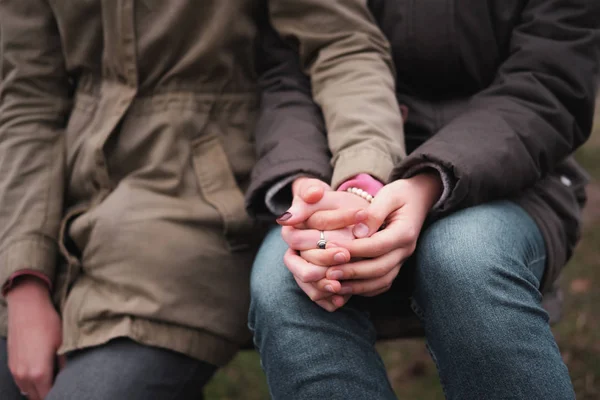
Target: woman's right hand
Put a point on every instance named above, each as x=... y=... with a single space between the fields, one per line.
x=317 y=205
x=34 y=336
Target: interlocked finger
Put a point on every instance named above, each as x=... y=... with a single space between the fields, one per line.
x=332 y=255
x=369 y=286
x=307 y=239
x=312 y=292
x=301 y=269
x=334 y=302
x=369 y=268
x=332 y=219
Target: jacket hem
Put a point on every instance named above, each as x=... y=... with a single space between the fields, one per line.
x=195 y=343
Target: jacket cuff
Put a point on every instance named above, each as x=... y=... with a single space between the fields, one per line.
x=363 y=181
x=365 y=161
x=444 y=176
x=35 y=254
x=279 y=197
x=14 y=278
x=270 y=174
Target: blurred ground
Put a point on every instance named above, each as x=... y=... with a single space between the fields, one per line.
x=411 y=370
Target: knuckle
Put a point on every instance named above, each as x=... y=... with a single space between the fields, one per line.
x=323 y=305
x=376 y=218
x=285 y=233
x=301 y=284
x=389 y=280
x=381 y=270
x=303 y=276
x=288 y=260
x=292 y=241
x=411 y=249
x=37 y=374
x=306 y=275
x=18 y=372
x=350 y=274
x=411 y=233
x=399 y=256
x=314 y=296
x=318 y=220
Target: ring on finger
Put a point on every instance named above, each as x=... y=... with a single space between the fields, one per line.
x=322 y=243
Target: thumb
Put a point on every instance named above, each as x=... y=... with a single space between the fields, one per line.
x=307 y=193
x=312 y=194
x=311 y=190
x=371 y=219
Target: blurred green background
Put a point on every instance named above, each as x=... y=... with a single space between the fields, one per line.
x=412 y=372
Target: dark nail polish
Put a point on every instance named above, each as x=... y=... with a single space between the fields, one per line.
x=284 y=217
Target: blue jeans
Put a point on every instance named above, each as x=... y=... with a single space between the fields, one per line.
x=121 y=370
x=473 y=281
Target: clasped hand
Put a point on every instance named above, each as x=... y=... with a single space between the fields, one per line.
x=360 y=258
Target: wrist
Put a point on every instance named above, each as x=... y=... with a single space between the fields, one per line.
x=431 y=183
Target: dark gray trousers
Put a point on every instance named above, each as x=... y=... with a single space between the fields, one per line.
x=120 y=370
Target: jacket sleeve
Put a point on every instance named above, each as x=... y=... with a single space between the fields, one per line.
x=34 y=105
x=537 y=111
x=290 y=132
x=349 y=63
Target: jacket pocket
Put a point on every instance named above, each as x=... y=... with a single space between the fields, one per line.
x=71 y=267
x=219 y=188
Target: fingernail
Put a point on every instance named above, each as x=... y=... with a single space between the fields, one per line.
x=361 y=230
x=329 y=288
x=335 y=275
x=284 y=217
x=340 y=258
x=345 y=290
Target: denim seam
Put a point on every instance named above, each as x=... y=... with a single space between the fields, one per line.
x=530 y=266
x=537 y=260
x=421 y=315
x=437 y=366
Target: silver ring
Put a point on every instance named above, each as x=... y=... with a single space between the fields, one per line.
x=322 y=243
x=24 y=394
